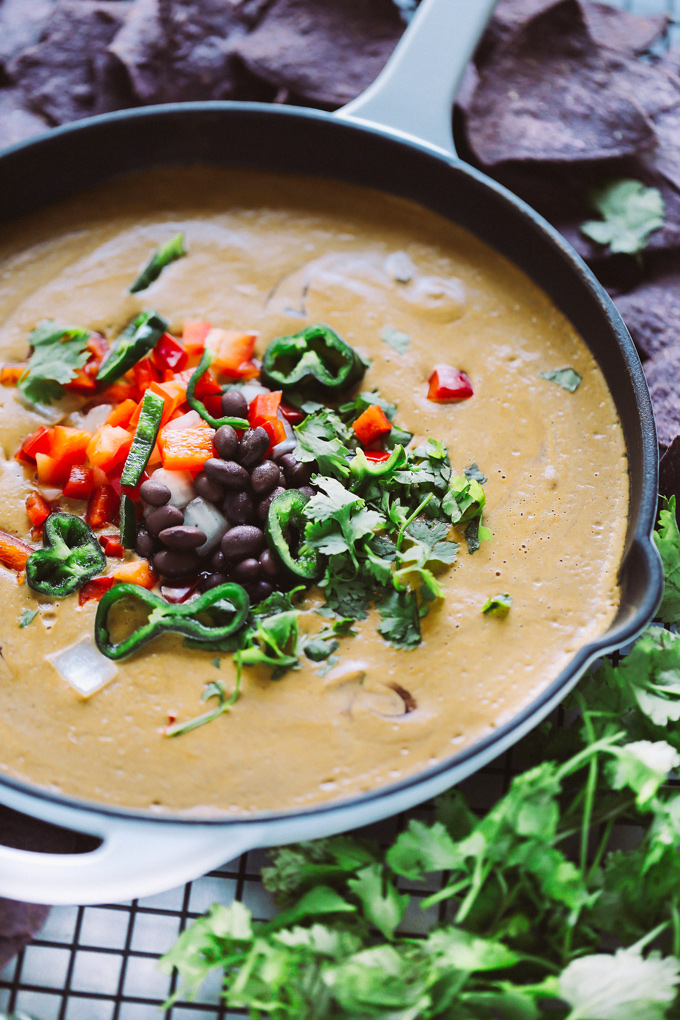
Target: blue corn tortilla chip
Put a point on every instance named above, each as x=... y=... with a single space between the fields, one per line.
x=652 y=311
x=547 y=94
x=662 y=374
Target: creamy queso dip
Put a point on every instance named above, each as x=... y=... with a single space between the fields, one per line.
x=274 y=254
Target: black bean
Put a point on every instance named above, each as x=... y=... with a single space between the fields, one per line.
x=164 y=517
x=182 y=537
x=238 y=508
x=307 y=491
x=225 y=441
x=263 y=506
x=269 y=565
x=253 y=446
x=207 y=489
x=145 y=546
x=282 y=478
x=259 y=590
x=247 y=570
x=218 y=562
x=213 y=580
x=264 y=477
x=287 y=462
x=234 y=404
x=298 y=475
x=227 y=473
x=176 y=563
x=154 y=493
x=242 y=541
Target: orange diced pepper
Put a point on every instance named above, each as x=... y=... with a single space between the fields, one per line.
x=194 y=333
x=135 y=572
x=94 y=589
x=69 y=446
x=173 y=394
x=118 y=392
x=13 y=552
x=11 y=374
x=121 y=414
x=232 y=352
x=37 y=508
x=51 y=471
x=372 y=425
x=186 y=449
x=108 y=446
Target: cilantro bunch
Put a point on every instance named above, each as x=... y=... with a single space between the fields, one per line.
x=540 y=915
x=385 y=537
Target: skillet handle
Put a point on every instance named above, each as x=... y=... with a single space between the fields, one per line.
x=132 y=861
x=413 y=94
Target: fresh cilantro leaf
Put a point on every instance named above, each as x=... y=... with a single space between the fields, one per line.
x=423 y=848
x=347 y=593
x=58 y=355
x=316 y=902
x=382 y=903
x=624 y=986
x=464 y=500
x=427 y=546
x=649 y=677
x=474 y=474
x=338 y=519
x=642 y=765
x=350 y=411
x=27 y=616
x=319 y=648
x=667 y=539
x=396 y=339
x=199 y=948
x=630 y=214
x=497 y=605
x=297 y=867
x=455 y=947
x=567 y=378
x=323 y=437
x=400 y=621
x=216 y=663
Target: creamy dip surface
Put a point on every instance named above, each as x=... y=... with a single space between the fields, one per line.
x=275 y=253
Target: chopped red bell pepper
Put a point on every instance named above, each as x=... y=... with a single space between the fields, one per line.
x=264 y=407
x=194 y=333
x=37 y=508
x=276 y=431
x=13 y=552
x=51 y=472
x=372 y=425
x=94 y=589
x=120 y=391
x=292 y=414
x=144 y=373
x=170 y=353
x=447 y=383
x=39 y=441
x=232 y=353
x=80 y=483
x=112 y=546
x=103 y=506
x=69 y=446
x=377 y=455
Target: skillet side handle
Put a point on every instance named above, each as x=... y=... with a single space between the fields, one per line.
x=414 y=93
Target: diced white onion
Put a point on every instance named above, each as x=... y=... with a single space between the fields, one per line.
x=201 y=514
x=48 y=493
x=84 y=666
x=284 y=447
x=58 y=410
x=251 y=389
x=187 y=421
x=94 y=418
x=180 y=483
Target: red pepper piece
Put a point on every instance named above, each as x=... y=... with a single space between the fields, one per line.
x=276 y=431
x=377 y=455
x=194 y=333
x=39 y=441
x=291 y=414
x=447 y=383
x=112 y=546
x=178 y=594
x=170 y=353
x=264 y=407
x=94 y=589
x=103 y=506
x=13 y=552
x=80 y=483
x=85 y=380
x=144 y=373
x=372 y=425
x=11 y=374
x=37 y=508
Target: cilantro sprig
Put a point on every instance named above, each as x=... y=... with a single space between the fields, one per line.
x=58 y=354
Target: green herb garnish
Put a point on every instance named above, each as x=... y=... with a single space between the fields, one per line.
x=498 y=605
x=27 y=616
x=567 y=378
x=58 y=355
x=169 y=252
x=396 y=339
x=630 y=213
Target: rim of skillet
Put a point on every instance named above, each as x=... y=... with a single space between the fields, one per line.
x=351 y=164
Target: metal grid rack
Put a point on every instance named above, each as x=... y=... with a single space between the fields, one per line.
x=100 y=962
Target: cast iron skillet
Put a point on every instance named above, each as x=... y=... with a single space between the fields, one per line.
x=396 y=137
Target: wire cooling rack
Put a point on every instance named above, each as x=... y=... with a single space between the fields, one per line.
x=100 y=962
